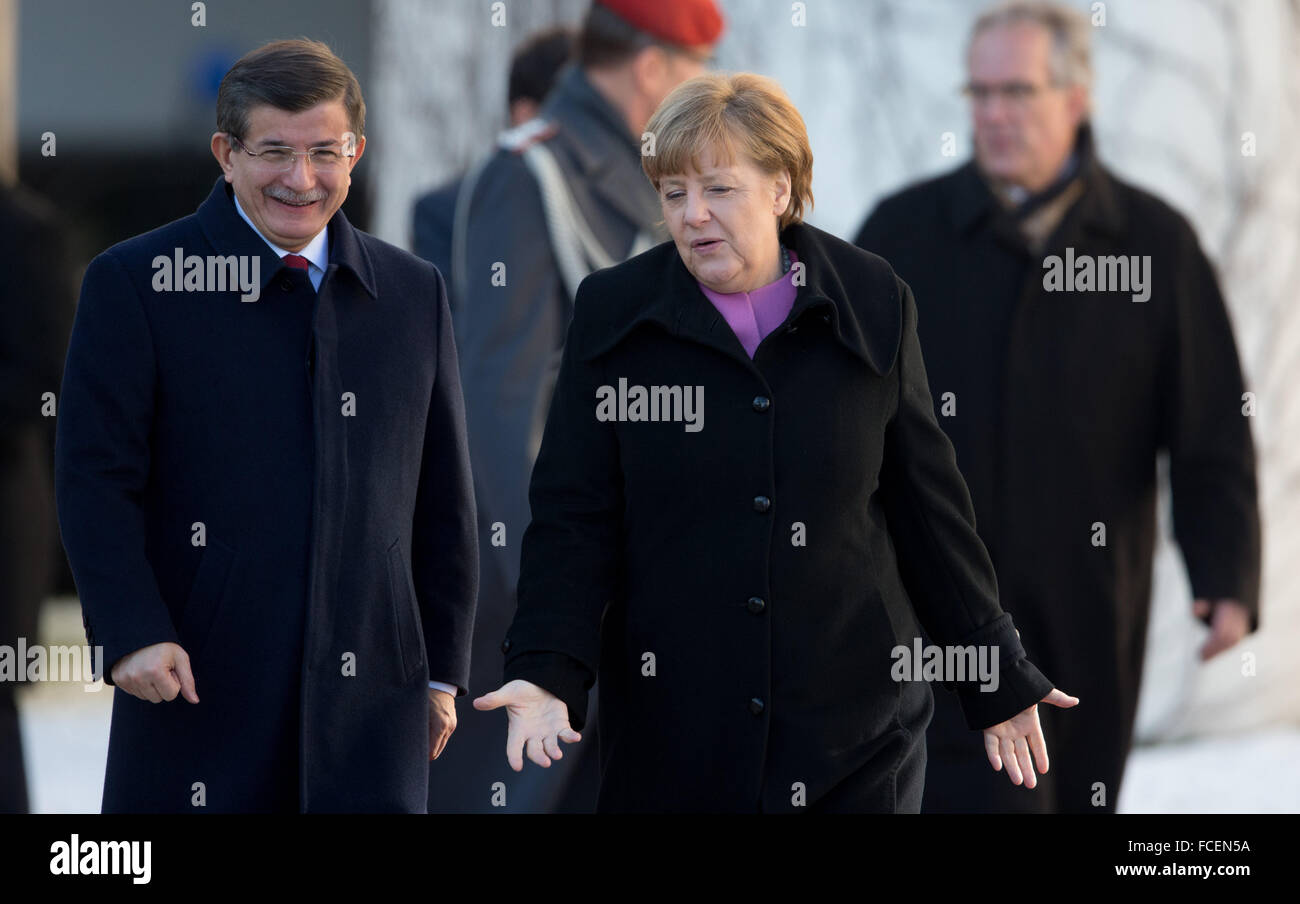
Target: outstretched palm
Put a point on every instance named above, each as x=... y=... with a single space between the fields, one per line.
x=1012 y=741
x=538 y=721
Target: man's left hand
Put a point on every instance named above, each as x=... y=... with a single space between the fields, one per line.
x=442 y=721
x=1230 y=623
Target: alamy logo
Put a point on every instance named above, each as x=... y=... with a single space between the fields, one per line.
x=213 y=273
x=102 y=858
x=682 y=404
x=1108 y=273
x=37 y=662
x=951 y=663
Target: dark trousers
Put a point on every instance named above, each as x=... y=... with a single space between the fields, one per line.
x=27 y=542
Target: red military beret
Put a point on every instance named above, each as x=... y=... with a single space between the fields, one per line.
x=689 y=23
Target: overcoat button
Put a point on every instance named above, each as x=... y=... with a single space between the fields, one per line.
x=287 y=285
x=505 y=645
x=756 y=604
x=762 y=503
x=756 y=706
x=762 y=403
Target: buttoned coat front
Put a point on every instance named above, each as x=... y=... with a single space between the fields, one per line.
x=282 y=487
x=739 y=589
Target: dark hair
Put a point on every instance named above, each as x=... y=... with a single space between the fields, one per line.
x=536 y=63
x=288 y=75
x=606 y=39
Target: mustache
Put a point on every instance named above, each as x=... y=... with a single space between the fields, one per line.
x=281 y=193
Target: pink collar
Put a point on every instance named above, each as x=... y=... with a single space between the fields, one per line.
x=752 y=315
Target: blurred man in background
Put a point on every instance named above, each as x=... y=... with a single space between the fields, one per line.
x=533 y=68
x=35 y=316
x=1072 y=330
x=562 y=196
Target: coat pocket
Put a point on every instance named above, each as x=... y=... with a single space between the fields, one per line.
x=206 y=596
x=410 y=639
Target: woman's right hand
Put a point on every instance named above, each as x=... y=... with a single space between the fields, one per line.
x=538 y=721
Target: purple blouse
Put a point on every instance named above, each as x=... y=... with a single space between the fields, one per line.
x=752 y=315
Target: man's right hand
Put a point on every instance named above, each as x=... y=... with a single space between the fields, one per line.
x=538 y=721
x=156 y=673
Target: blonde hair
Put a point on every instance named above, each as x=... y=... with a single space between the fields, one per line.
x=741 y=113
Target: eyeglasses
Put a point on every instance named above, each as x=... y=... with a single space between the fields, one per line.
x=279 y=159
x=1016 y=94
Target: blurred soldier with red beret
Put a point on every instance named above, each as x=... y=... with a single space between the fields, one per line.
x=562 y=195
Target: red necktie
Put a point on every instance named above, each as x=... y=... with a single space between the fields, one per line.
x=297 y=261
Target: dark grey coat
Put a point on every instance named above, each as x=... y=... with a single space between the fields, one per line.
x=329 y=536
x=772 y=660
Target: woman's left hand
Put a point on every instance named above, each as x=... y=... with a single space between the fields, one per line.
x=1011 y=741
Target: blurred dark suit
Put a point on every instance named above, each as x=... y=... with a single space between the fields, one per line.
x=35 y=317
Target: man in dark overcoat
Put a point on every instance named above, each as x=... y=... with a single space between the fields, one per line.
x=263 y=478
x=1073 y=332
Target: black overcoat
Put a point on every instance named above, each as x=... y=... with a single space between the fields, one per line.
x=335 y=535
x=1061 y=402
x=753 y=576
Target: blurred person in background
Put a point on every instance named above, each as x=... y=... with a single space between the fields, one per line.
x=562 y=196
x=440 y=221
x=35 y=315
x=533 y=68
x=1059 y=392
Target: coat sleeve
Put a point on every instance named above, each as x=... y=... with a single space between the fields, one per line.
x=508 y=335
x=1207 y=433
x=102 y=464
x=444 y=535
x=571 y=550
x=945 y=568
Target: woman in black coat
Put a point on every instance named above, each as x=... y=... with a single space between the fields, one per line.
x=743 y=504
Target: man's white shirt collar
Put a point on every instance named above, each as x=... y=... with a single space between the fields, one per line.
x=316 y=252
